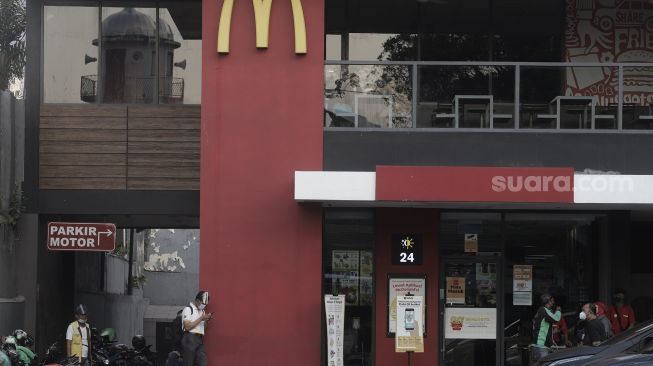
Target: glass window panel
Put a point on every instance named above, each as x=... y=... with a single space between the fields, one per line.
x=562 y=252
x=348 y=267
x=454 y=47
x=180 y=54
x=527 y=48
x=454 y=227
x=368 y=96
x=380 y=46
x=128 y=55
x=333 y=47
x=69 y=54
x=475 y=96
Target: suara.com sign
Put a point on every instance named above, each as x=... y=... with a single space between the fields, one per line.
x=262 y=9
x=81 y=236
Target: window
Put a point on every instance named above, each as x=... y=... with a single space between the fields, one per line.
x=348 y=267
x=121 y=54
x=69 y=56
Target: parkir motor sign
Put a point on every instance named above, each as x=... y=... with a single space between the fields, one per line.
x=81 y=236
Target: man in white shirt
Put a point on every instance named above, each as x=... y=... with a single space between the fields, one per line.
x=78 y=336
x=194 y=320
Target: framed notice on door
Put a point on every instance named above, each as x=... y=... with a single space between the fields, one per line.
x=404 y=285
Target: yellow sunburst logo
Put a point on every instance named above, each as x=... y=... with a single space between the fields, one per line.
x=407 y=243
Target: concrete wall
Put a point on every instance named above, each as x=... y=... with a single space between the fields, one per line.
x=122 y=312
x=172 y=262
x=13 y=249
x=116 y=275
x=26 y=278
x=363 y=150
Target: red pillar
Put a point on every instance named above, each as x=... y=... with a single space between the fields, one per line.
x=261 y=252
x=400 y=221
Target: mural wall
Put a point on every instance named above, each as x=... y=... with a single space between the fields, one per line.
x=610 y=31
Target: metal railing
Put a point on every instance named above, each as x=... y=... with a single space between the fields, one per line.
x=489 y=95
x=133 y=90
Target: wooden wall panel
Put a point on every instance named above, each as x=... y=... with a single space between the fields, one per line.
x=83 y=183
x=118 y=147
x=163 y=147
x=73 y=159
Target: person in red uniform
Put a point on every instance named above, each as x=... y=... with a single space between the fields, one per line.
x=560 y=334
x=621 y=314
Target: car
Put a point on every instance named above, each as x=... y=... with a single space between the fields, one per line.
x=633 y=340
x=644 y=357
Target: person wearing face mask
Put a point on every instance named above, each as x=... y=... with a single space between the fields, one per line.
x=78 y=336
x=194 y=319
x=594 y=332
x=621 y=315
x=543 y=323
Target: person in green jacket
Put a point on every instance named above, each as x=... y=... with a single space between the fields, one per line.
x=542 y=325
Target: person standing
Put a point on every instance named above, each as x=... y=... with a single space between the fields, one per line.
x=194 y=318
x=621 y=315
x=78 y=336
x=594 y=329
x=542 y=326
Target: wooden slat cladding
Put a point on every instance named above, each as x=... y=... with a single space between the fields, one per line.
x=164 y=111
x=179 y=148
x=83 y=183
x=163 y=146
x=96 y=123
x=84 y=110
x=118 y=147
x=72 y=159
x=172 y=184
x=82 y=171
x=81 y=147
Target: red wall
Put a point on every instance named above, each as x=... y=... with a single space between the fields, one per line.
x=261 y=251
x=398 y=221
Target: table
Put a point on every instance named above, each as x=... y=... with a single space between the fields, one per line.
x=585 y=105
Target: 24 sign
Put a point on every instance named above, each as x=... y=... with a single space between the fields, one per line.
x=406 y=249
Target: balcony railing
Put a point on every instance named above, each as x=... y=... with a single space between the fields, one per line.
x=133 y=90
x=488 y=95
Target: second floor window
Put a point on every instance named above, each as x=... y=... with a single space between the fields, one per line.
x=122 y=54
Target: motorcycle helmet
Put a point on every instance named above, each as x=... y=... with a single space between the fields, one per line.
x=81 y=310
x=22 y=338
x=109 y=335
x=10 y=341
x=138 y=342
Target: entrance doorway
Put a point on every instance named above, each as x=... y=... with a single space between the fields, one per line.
x=495 y=266
x=469 y=315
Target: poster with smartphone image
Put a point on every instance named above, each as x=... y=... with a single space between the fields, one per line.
x=410 y=323
x=334 y=308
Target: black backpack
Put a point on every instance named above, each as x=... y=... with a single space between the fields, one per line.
x=178 y=329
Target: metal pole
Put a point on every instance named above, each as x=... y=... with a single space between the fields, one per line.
x=414 y=96
x=620 y=105
x=517 y=96
x=130 y=286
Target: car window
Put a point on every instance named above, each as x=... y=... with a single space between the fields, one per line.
x=631 y=334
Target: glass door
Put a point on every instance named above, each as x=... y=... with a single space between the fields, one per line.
x=469 y=316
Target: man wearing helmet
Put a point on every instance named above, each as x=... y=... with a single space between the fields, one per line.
x=194 y=319
x=78 y=336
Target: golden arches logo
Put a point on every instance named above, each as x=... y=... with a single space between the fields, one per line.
x=262 y=20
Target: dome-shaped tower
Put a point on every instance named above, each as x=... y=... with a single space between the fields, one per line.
x=129 y=57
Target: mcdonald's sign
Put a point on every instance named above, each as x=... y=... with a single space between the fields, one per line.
x=262 y=20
